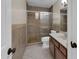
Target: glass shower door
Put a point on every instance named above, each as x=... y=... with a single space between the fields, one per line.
x=45 y=23
x=33 y=26
x=38 y=25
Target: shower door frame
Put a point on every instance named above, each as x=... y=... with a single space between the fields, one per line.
x=27 y=26
x=27 y=29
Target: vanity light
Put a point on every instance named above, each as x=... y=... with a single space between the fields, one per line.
x=64 y=2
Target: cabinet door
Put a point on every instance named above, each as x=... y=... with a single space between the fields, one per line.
x=58 y=54
x=64 y=50
x=51 y=47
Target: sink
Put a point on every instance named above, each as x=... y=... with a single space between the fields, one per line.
x=59 y=35
x=63 y=37
x=53 y=31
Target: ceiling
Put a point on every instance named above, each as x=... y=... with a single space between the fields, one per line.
x=41 y=3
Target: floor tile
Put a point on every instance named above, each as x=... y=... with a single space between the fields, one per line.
x=37 y=52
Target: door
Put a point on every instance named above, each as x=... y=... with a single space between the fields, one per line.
x=72 y=28
x=5 y=29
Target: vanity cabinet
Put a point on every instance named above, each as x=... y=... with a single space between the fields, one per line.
x=57 y=49
x=59 y=54
x=51 y=47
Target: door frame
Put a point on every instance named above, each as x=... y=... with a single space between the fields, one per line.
x=72 y=28
x=6 y=38
x=8 y=2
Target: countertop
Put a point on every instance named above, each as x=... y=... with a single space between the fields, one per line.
x=62 y=40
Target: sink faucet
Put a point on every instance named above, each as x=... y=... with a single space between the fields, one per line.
x=57 y=31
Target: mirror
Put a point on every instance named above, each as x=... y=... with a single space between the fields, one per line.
x=63 y=15
x=60 y=16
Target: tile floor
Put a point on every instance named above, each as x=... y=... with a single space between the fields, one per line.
x=37 y=52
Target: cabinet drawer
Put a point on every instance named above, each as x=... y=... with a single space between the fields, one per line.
x=63 y=50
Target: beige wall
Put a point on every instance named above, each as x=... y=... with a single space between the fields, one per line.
x=56 y=16
x=56 y=12
x=19 y=40
x=18 y=11
x=19 y=27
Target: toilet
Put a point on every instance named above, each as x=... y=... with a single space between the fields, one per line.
x=45 y=41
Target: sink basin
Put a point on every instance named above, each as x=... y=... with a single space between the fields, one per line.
x=59 y=35
x=53 y=31
x=63 y=37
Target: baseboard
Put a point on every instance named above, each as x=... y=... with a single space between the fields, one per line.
x=29 y=44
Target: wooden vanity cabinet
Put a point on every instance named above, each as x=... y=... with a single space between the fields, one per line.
x=59 y=54
x=51 y=47
x=58 y=51
x=63 y=50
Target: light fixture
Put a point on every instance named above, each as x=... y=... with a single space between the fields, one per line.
x=64 y=2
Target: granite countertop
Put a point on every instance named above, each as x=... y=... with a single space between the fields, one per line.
x=60 y=38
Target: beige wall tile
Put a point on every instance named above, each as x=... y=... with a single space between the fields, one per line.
x=18 y=40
